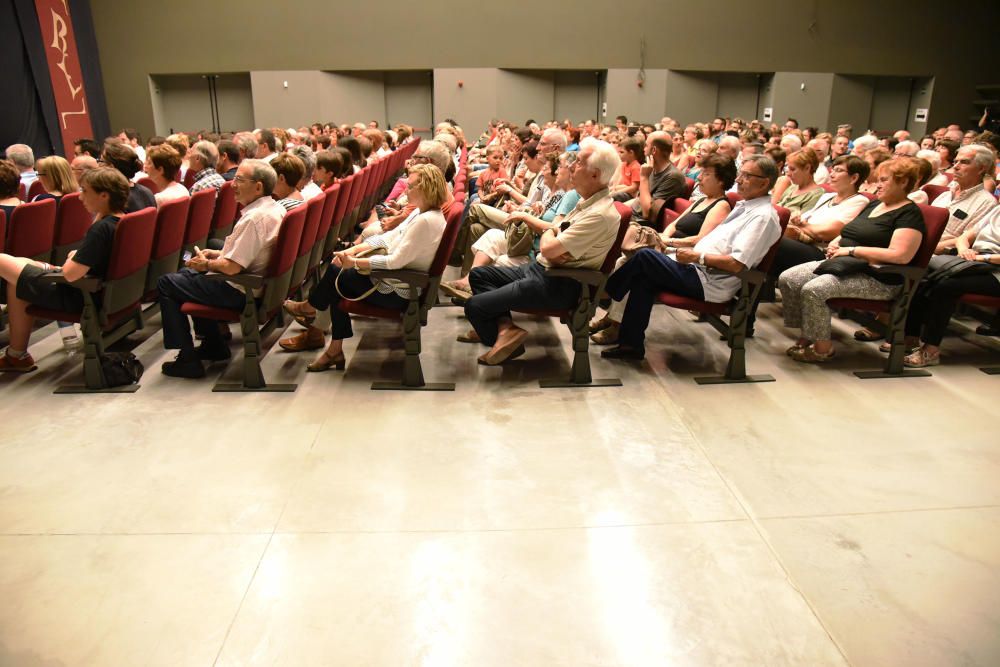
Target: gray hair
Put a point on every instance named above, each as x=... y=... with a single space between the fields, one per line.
x=437 y=152
x=207 y=152
x=791 y=138
x=307 y=156
x=931 y=156
x=729 y=139
x=21 y=155
x=568 y=158
x=865 y=143
x=907 y=147
x=555 y=135
x=983 y=158
x=448 y=140
x=604 y=158
x=247 y=143
x=263 y=173
x=768 y=167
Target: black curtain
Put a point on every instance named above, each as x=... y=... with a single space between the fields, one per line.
x=28 y=113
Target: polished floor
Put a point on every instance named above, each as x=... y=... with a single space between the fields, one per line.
x=817 y=520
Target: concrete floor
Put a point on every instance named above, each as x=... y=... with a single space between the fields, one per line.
x=817 y=520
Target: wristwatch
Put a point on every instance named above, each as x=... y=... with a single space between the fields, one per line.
x=701 y=259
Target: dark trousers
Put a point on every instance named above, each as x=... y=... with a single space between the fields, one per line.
x=792 y=253
x=324 y=295
x=497 y=290
x=641 y=278
x=187 y=285
x=933 y=306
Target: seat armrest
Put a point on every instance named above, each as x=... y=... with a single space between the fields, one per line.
x=752 y=276
x=911 y=272
x=251 y=280
x=411 y=278
x=85 y=284
x=584 y=276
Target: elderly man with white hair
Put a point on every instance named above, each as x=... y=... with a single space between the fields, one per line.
x=906 y=148
x=790 y=143
x=966 y=199
x=582 y=241
x=24 y=159
x=202 y=158
x=864 y=144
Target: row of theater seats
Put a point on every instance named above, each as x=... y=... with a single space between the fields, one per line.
x=152 y=242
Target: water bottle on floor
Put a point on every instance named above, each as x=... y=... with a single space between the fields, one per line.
x=70 y=337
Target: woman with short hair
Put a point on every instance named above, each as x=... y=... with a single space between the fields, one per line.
x=887 y=231
x=163 y=164
x=104 y=194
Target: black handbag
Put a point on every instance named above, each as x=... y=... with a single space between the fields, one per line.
x=121 y=368
x=943 y=267
x=845 y=265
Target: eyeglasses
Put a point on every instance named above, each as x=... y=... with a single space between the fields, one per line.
x=42 y=173
x=243 y=179
x=743 y=175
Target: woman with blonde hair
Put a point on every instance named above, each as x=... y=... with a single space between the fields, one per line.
x=56 y=176
x=411 y=245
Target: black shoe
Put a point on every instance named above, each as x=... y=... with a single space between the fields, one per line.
x=210 y=353
x=186 y=365
x=624 y=352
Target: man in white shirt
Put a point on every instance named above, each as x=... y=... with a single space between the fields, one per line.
x=131 y=137
x=267 y=145
x=966 y=199
x=246 y=250
x=707 y=271
x=24 y=159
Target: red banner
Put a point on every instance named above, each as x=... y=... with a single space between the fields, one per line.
x=64 y=71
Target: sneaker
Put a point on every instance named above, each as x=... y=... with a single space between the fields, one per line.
x=185 y=365
x=9 y=364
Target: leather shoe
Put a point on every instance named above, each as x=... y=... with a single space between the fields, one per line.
x=325 y=363
x=484 y=361
x=507 y=343
x=310 y=339
x=300 y=310
x=213 y=353
x=186 y=365
x=624 y=352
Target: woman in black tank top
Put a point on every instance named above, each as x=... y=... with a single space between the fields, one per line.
x=717 y=175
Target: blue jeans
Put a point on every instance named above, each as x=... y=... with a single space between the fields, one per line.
x=642 y=278
x=497 y=290
x=188 y=285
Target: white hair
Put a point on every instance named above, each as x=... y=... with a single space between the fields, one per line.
x=791 y=139
x=21 y=155
x=865 y=143
x=603 y=158
x=908 y=147
x=207 y=152
x=555 y=136
x=448 y=140
x=931 y=156
x=983 y=158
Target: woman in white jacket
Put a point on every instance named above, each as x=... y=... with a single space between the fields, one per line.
x=411 y=245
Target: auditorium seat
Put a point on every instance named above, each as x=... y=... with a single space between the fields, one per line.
x=259 y=316
x=310 y=229
x=31 y=230
x=933 y=191
x=72 y=222
x=36 y=189
x=578 y=318
x=224 y=213
x=199 y=219
x=423 y=295
x=147 y=182
x=738 y=309
x=111 y=307
x=935 y=219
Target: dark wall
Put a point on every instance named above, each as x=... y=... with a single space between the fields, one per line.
x=889 y=37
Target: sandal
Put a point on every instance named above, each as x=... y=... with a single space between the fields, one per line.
x=797 y=346
x=866 y=335
x=886 y=347
x=920 y=359
x=300 y=310
x=809 y=355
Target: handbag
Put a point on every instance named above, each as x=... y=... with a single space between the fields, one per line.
x=943 y=267
x=121 y=368
x=845 y=265
x=520 y=239
x=367 y=293
x=639 y=237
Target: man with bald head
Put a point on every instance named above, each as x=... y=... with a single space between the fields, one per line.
x=82 y=164
x=659 y=180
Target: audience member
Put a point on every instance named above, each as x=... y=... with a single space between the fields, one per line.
x=290 y=171
x=56 y=177
x=163 y=164
x=23 y=158
x=966 y=199
x=120 y=156
x=202 y=158
x=247 y=249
